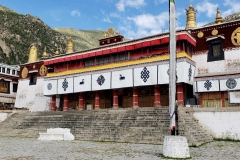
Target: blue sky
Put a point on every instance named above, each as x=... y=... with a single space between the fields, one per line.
x=133 y=18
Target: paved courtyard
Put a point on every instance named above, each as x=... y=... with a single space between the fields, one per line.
x=28 y=149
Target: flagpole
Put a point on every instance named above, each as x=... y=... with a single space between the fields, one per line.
x=172 y=65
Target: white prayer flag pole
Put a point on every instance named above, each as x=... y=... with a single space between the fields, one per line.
x=172 y=65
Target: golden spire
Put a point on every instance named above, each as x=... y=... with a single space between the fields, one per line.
x=33 y=57
x=44 y=55
x=218 y=19
x=191 y=18
x=57 y=52
x=70 y=46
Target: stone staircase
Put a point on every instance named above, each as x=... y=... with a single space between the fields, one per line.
x=141 y=125
x=190 y=128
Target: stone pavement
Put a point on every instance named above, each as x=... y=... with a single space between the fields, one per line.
x=13 y=148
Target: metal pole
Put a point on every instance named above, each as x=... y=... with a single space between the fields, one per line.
x=172 y=65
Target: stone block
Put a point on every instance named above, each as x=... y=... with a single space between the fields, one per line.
x=56 y=134
x=176 y=147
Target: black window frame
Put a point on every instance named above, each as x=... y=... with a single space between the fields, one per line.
x=15 y=86
x=211 y=56
x=33 y=79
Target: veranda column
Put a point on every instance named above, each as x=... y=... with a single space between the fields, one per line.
x=97 y=100
x=157 y=102
x=65 y=103
x=135 y=98
x=180 y=96
x=81 y=102
x=115 y=98
x=53 y=103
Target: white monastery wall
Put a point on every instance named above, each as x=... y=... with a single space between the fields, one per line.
x=231 y=62
x=31 y=96
x=221 y=124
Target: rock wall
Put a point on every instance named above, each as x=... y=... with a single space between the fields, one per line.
x=222 y=124
x=31 y=96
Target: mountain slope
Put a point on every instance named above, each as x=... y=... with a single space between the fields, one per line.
x=19 y=31
x=83 y=39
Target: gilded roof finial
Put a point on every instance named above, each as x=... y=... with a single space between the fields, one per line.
x=70 y=46
x=33 y=57
x=44 y=55
x=57 y=52
x=191 y=18
x=218 y=19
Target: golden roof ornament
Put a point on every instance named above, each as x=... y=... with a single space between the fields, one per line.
x=218 y=19
x=57 y=52
x=33 y=57
x=191 y=18
x=70 y=46
x=44 y=55
x=117 y=33
x=110 y=32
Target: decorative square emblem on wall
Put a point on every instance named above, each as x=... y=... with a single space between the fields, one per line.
x=231 y=83
x=208 y=85
x=145 y=74
x=100 y=80
x=49 y=86
x=65 y=84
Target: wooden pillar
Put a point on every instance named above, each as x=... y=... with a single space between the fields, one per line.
x=223 y=99
x=180 y=95
x=97 y=100
x=115 y=98
x=157 y=102
x=53 y=103
x=135 y=98
x=65 y=103
x=81 y=102
x=200 y=99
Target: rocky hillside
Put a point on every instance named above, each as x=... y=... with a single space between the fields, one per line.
x=83 y=39
x=19 y=31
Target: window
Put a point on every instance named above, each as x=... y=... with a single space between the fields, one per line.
x=17 y=73
x=0 y=69
x=15 y=87
x=120 y=57
x=216 y=52
x=89 y=62
x=103 y=60
x=13 y=72
x=8 y=71
x=33 y=79
x=3 y=70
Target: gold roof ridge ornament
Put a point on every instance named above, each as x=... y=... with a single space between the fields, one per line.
x=218 y=19
x=110 y=33
x=191 y=18
x=57 y=52
x=33 y=53
x=44 y=55
x=70 y=46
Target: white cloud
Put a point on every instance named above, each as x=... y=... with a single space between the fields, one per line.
x=129 y=3
x=160 y=1
x=75 y=13
x=207 y=7
x=145 y=24
x=115 y=15
x=234 y=7
x=107 y=19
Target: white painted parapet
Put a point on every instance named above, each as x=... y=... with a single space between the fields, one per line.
x=56 y=134
x=175 y=147
x=222 y=124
